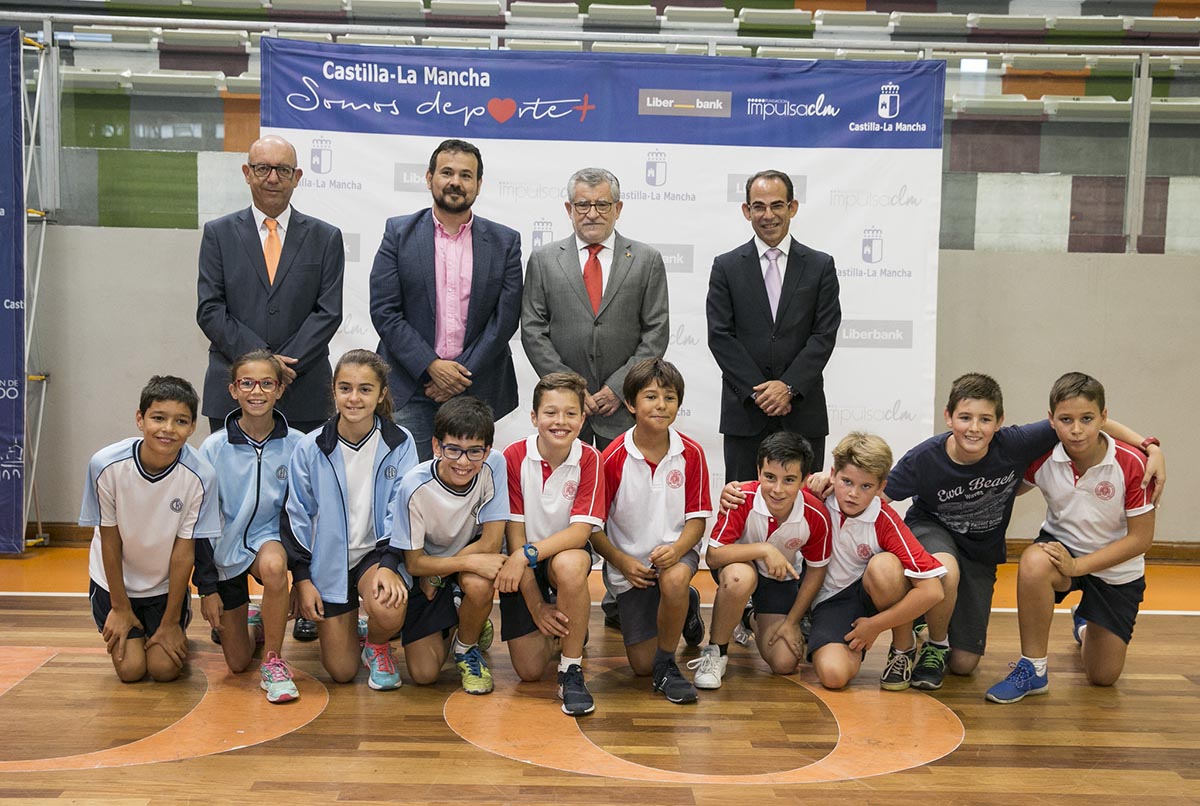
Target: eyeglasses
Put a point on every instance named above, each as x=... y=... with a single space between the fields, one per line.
x=758 y=208
x=262 y=170
x=602 y=206
x=455 y=452
x=248 y=384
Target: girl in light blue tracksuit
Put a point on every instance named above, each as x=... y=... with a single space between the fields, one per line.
x=336 y=528
x=251 y=457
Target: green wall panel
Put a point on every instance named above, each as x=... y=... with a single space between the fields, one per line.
x=147 y=189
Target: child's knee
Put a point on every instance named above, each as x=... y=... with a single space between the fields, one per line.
x=739 y=579
x=1035 y=563
x=675 y=580
x=832 y=678
x=573 y=564
x=475 y=587
x=273 y=569
x=130 y=671
x=162 y=669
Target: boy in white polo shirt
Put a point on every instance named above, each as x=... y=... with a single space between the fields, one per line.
x=656 y=486
x=448 y=519
x=556 y=499
x=880 y=578
x=1099 y=524
x=149 y=500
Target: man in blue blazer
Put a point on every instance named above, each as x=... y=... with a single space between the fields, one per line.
x=773 y=317
x=293 y=310
x=446 y=298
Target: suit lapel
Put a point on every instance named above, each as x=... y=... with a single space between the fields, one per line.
x=754 y=279
x=426 y=259
x=479 y=308
x=622 y=262
x=568 y=264
x=293 y=241
x=252 y=243
x=791 y=280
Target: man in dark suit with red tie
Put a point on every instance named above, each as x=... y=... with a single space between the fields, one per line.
x=271 y=277
x=773 y=317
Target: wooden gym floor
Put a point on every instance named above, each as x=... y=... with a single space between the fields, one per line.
x=75 y=734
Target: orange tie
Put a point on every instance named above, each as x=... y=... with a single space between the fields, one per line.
x=591 y=276
x=272 y=249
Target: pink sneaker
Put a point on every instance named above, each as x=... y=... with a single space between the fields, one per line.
x=277 y=680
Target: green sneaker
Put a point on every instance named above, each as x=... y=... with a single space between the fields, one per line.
x=476 y=676
x=254 y=621
x=930 y=668
x=486 y=635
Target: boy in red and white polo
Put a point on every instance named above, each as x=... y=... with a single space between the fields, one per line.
x=1099 y=524
x=657 y=490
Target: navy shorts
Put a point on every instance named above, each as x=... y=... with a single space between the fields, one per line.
x=771 y=597
x=1113 y=607
x=515 y=618
x=425 y=617
x=333 y=609
x=148 y=610
x=638 y=607
x=835 y=616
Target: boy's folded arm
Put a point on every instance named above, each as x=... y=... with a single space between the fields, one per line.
x=111 y=546
x=1137 y=540
x=183 y=560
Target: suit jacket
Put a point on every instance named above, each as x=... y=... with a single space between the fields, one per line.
x=404 y=299
x=239 y=310
x=560 y=331
x=751 y=349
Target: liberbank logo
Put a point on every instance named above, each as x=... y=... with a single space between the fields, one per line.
x=685 y=103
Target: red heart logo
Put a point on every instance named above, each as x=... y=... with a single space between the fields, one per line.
x=502 y=109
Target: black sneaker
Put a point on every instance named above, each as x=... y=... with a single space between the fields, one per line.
x=576 y=699
x=693 y=628
x=930 y=668
x=671 y=682
x=215 y=636
x=304 y=630
x=897 y=674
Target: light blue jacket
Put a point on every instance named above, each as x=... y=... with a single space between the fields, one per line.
x=252 y=483
x=316 y=518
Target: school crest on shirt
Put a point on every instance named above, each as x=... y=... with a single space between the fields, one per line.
x=675 y=479
x=281 y=472
x=863 y=551
x=389 y=472
x=570 y=489
x=1105 y=490
x=177 y=505
x=793 y=544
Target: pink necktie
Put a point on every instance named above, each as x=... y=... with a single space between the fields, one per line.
x=773 y=280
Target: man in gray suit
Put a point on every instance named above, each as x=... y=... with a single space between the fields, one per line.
x=292 y=308
x=595 y=303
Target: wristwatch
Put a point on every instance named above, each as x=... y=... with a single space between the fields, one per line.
x=436 y=581
x=531 y=554
x=1148 y=441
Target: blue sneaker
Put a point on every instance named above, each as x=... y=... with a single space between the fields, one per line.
x=382 y=667
x=1079 y=624
x=1021 y=680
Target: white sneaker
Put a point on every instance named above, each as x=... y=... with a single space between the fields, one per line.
x=710 y=667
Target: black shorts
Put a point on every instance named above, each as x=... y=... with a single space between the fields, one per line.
x=425 y=617
x=771 y=597
x=835 y=616
x=515 y=618
x=1113 y=607
x=235 y=592
x=333 y=609
x=148 y=610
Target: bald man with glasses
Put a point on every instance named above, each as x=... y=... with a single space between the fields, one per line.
x=271 y=278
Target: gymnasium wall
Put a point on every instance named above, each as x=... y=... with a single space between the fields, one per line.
x=118 y=305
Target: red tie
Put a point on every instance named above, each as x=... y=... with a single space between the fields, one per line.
x=591 y=276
